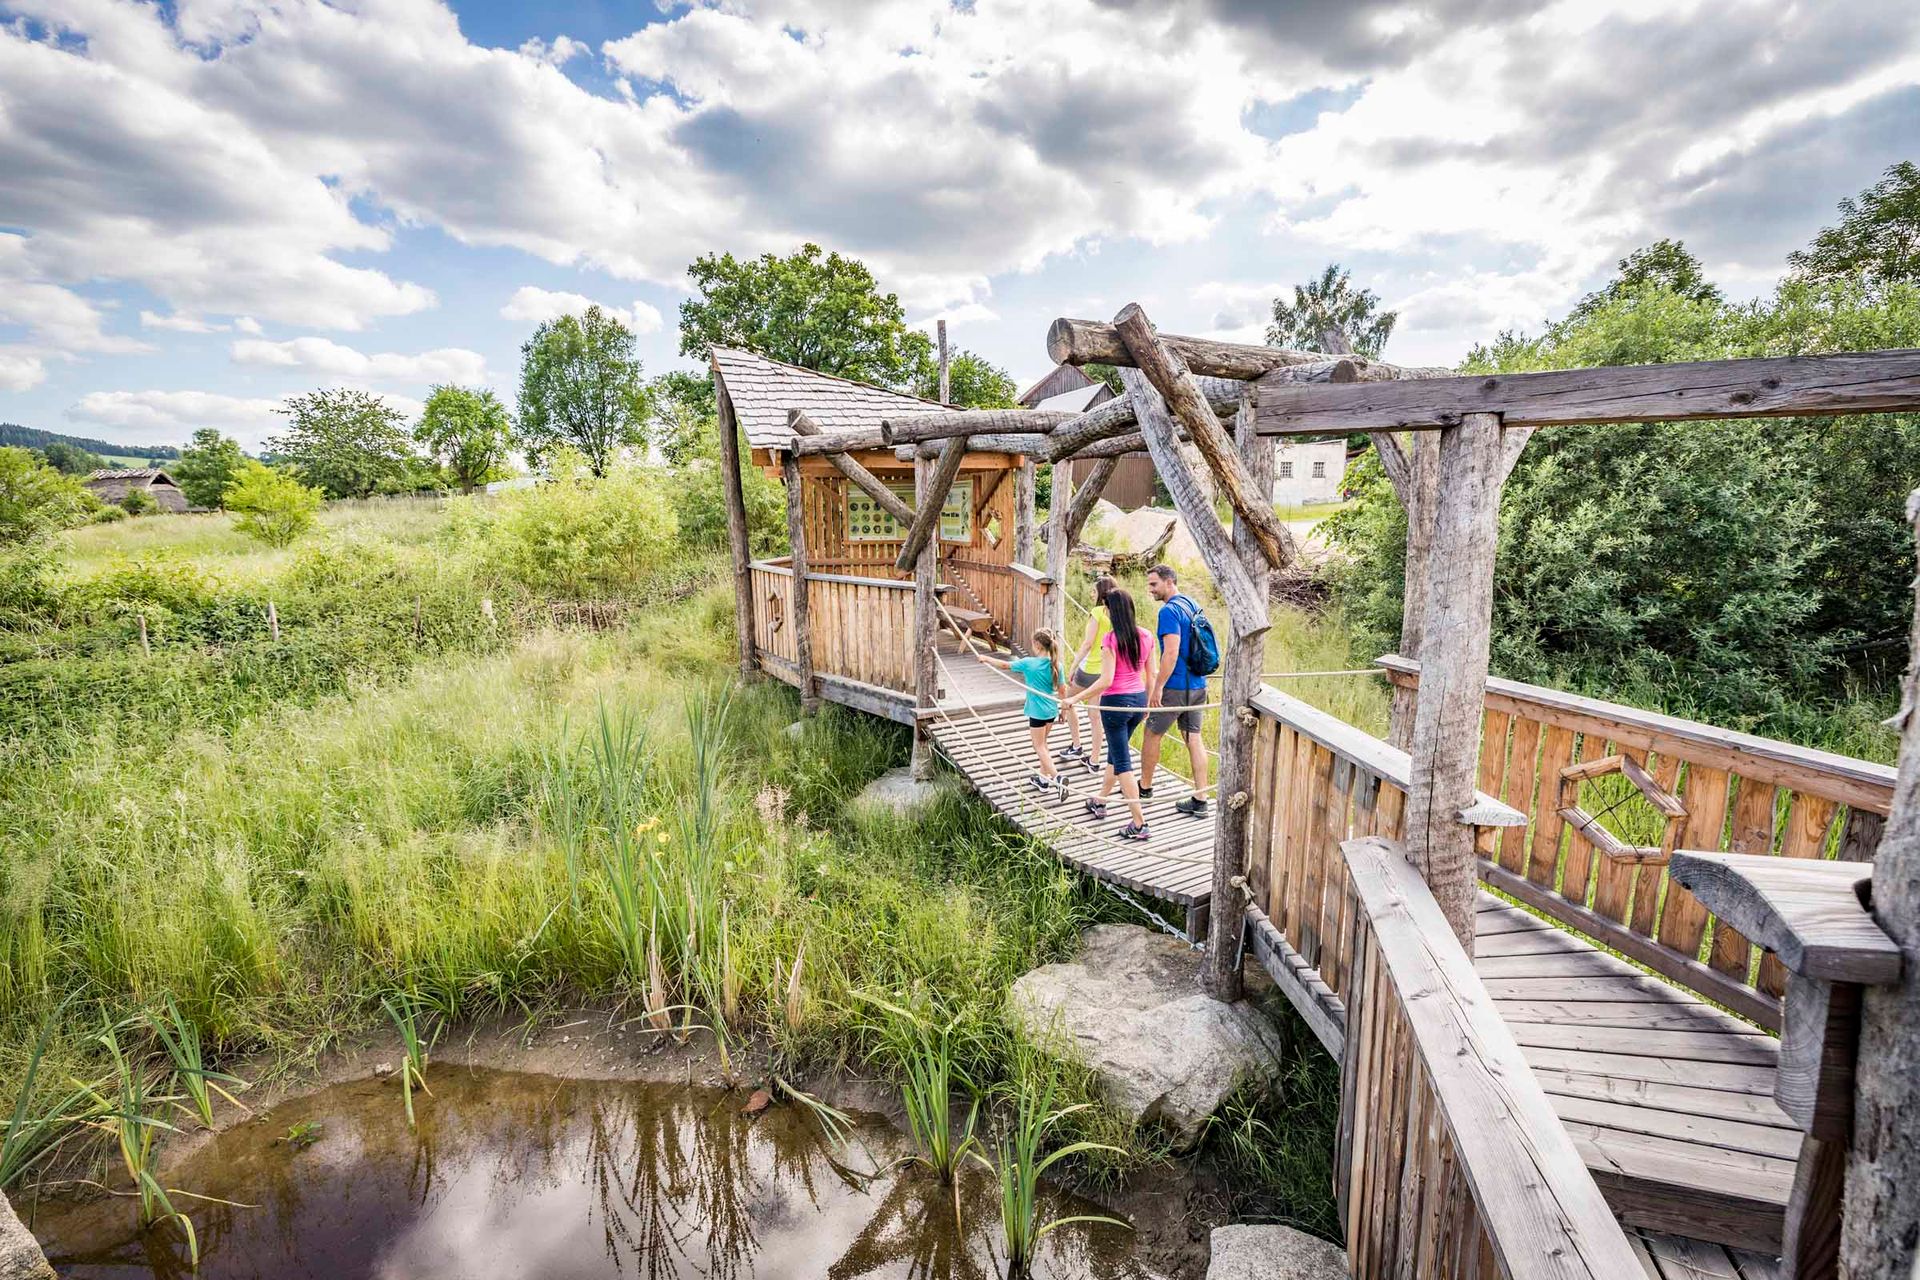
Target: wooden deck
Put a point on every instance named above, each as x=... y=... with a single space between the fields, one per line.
x=1668 y=1099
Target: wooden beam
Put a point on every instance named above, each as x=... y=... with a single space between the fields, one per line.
x=805 y=428
x=739 y=547
x=1445 y=743
x=926 y=521
x=1806 y=911
x=802 y=620
x=1176 y=386
x=914 y=427
x=1246 y=601
x=1088 y=494
x=1873 y=382
x=1240 y=669
x=1079 y=342
x=823 y=445
x=1059 y=550
x=1023 y=511
x=1117 y=418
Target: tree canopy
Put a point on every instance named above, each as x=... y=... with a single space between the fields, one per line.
x=347 y=444
x=580 y=386
x=1664 y=264
x=465 y=432
x=1331 y=302
x=35 y=499
x=272 y=505
x=71 y=459
x=811 y=308
x=1878 y=237
x=973 y=382
x=206 y=467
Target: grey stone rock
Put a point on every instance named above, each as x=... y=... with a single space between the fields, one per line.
x=898 y=793
x=1264 y=1252
x=20 y=1256
x=797 y=730
x=1131 y=1009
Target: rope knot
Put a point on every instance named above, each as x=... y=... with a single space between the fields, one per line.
x=1238 y=800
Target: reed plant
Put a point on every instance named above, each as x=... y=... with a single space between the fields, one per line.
x=931 y=1079
x=403 y=1008
x=133 y=1116
x=37 y=1127
x=1021 y=1158
x=181 y=1038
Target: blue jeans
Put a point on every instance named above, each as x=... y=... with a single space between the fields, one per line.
x=1120 y=715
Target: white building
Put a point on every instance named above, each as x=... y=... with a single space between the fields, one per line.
x=1307 y=472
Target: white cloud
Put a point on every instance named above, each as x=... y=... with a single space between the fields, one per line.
x=178 y=323
x=247 y=324
x=562 y=51
x=169 y=417
x=329 y=358
x=535 y=305
x=20 y=370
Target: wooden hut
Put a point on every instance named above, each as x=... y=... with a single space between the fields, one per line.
x=114 y=486
x=1069 y=390
x=843 y=593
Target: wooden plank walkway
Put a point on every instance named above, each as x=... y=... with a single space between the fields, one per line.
x=1668 y=1099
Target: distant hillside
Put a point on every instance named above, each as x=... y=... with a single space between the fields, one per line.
x=12 y=433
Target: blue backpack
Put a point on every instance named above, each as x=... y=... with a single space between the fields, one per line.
x=1203 y=649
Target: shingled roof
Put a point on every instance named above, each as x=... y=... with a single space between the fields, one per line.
x=762 y=390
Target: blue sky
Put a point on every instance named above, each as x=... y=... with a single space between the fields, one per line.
x=214 y=204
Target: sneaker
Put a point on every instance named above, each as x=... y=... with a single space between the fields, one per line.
x=1146 y=793
x=1074 y=753
x=1060 y=785
x=1192 y=806
x=1093 y=765
x=1133 y=832
x=1097 y=808
x=1039 y=781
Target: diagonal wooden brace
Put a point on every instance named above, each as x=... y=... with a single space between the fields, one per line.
x=926 y=522
x=1183 y=396
x=889 y=501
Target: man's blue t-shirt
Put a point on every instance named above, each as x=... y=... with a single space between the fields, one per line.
x=1037 y=671
x=1176 y=619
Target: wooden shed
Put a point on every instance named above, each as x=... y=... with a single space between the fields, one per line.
x=114 y=486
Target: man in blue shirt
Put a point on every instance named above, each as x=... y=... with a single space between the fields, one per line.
x=1175 y=687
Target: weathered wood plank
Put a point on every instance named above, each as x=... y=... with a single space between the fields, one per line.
x=1875 y=382
x=1806 y=912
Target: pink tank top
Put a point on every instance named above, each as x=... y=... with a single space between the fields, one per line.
x=1128 y=677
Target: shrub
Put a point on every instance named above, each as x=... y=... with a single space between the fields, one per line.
x=137 y=502
x=272 y=505
x=575 y=533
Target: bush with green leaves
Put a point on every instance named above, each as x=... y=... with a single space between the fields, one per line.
x=576 y=534
x=272 y=506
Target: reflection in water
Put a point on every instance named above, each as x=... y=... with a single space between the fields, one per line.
x=523 y=1175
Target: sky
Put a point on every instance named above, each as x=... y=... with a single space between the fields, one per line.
x=209 y=205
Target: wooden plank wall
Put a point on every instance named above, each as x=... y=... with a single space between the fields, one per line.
x=1742 y=794
x=1317 y=782
x=773 y=609
x=862 y=628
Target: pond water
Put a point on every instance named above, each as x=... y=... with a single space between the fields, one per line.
x=515 y=1175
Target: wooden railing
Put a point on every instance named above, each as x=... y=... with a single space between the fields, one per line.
x=862 y=627
x=1451 y=1163
x=1029 y=596
x=1577 y=861
x=1318 y=782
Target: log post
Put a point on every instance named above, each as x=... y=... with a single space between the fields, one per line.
x=1419 y=496
x=802 y=618
x=1023 y=513
x=1882 y=1220
x=739 y=550
x=1458 y=590
x=1240 y=680
x=926 y=616
x=1059 y=548
x=925 y=530
x=945 y=398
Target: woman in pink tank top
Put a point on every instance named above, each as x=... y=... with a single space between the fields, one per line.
x=1121 y=695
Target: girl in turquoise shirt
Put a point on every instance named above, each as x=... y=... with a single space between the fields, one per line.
x=1045 y=682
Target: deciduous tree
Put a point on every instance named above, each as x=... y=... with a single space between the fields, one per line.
x=810 y=308
x=206 y=467
x=973 y=382
x=1331 y=302
x=347 y=444
x=466 y=432
x=1878 y=237
x=580 y=385
x=272 y=505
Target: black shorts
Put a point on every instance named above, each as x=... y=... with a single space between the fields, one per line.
x=1040 y=724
